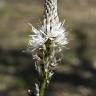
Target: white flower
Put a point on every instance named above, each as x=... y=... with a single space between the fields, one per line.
x=51 y=29
x=57 y=34
x=36 y=39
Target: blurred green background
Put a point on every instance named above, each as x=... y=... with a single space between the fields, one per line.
x=76 y=75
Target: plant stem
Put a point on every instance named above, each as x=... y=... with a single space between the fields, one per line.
x=46 y=71
x=43 y=86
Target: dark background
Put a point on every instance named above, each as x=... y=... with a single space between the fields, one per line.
x=76 y=75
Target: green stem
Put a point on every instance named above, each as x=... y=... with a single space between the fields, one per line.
x=43 y=84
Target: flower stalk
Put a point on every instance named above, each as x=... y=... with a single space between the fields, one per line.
x=45 y=43
x=45 y=74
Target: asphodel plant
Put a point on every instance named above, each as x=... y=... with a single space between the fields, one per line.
x=45 y=43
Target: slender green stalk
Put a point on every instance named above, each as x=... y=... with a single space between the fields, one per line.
x=46 y=70
x=43 y=85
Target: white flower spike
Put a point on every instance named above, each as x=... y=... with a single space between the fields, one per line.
x=45 y=43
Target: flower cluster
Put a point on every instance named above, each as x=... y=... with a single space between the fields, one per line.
x=45 y=43
x=39 y=37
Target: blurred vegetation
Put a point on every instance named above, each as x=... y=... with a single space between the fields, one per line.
x=76 y=75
